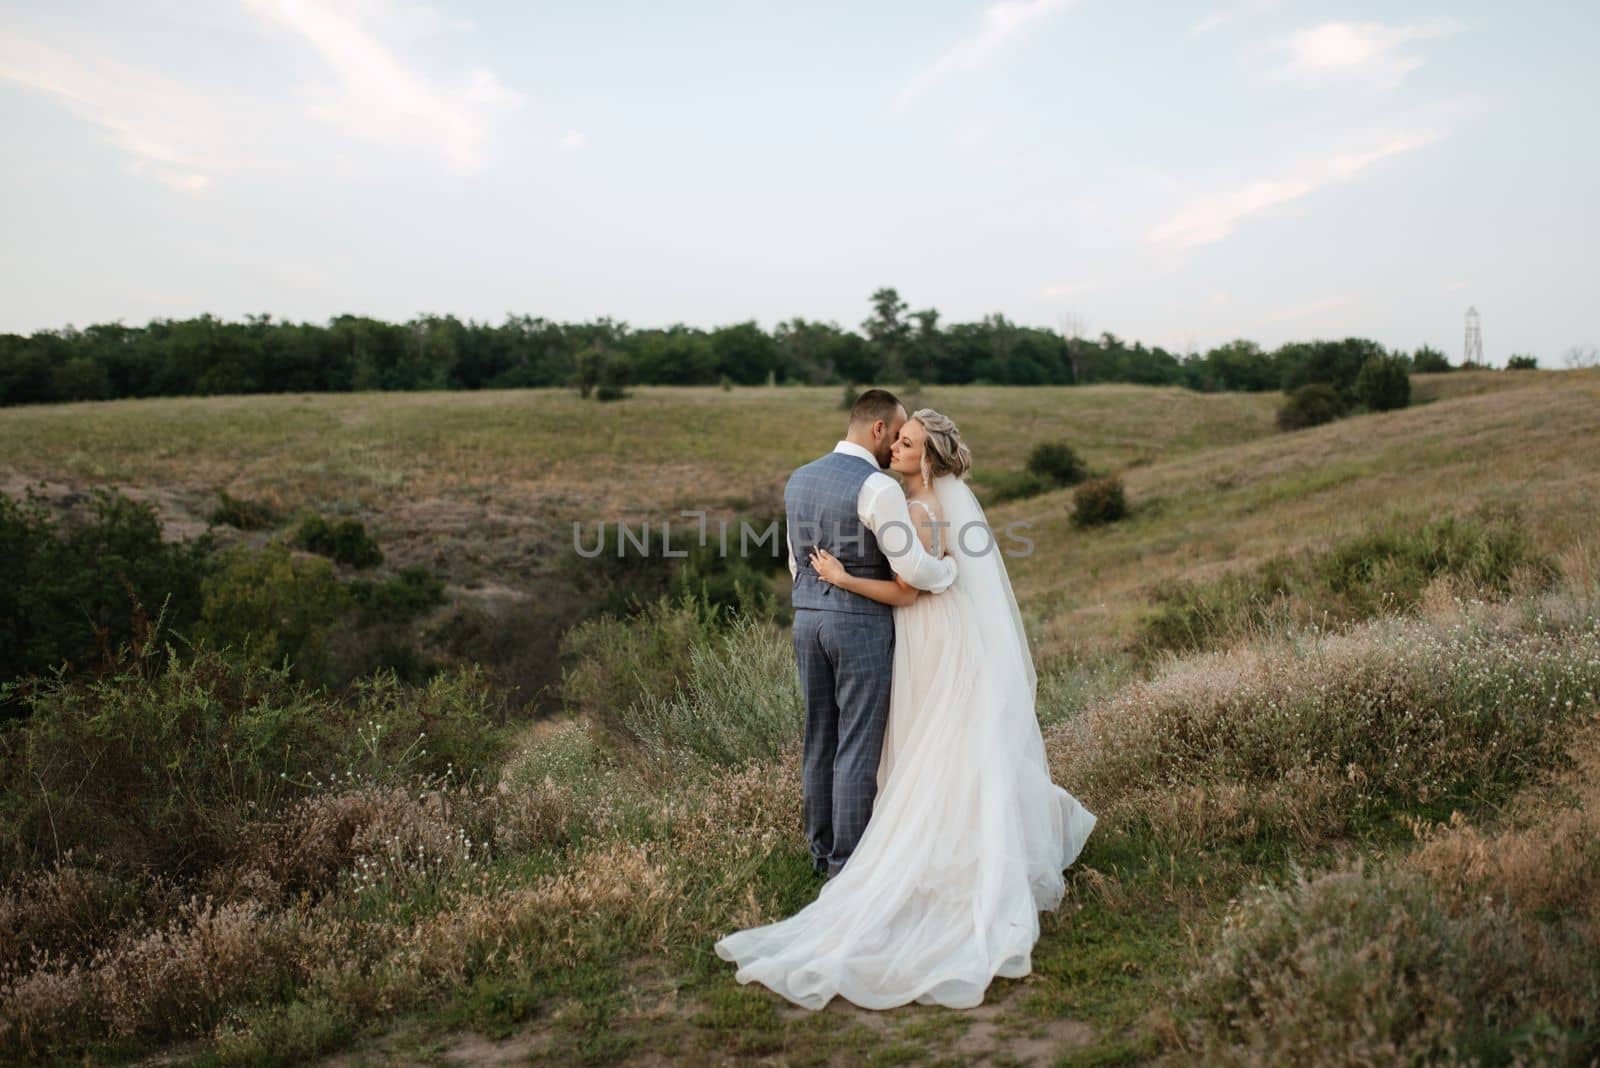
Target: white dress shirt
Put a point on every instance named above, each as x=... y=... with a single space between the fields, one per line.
x=882 y=502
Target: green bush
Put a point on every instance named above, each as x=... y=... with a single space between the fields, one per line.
x=620 y=579
x=612 y=663
x=160 y=768
x=273 y=605
x=1099 y=501
x=1522 y=363
x=1384 y=568
x=1393 y=564
x=1311 y=405
x=1384 y=383
x=739 y=701
x=1014 y=485
x=616 y=372
x=1056 y=462
x=243 y=514
x=346 y=541
x=412 y=592
x=71 y=594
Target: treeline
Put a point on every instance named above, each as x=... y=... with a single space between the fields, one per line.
x=207 y=355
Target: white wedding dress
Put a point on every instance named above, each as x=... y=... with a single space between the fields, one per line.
x=968 y=836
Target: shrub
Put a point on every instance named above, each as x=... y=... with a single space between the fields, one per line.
x=1368 y=967
x=586 y=366
x=404 y=596
x=616 y=372
x=620 y=579
x=1057 y=463
x=1011 y=486
x=272 y=606
x=739 y=701
x=1393 y=563
x=346 y=541
x=160 y=768
x=611 y=663
x=1310 y=405
x=73 y=594
x=243 y=514
x=1099 y=501
x=1522 y=363
x=1384 y=383
x=1427 y=360
x=1298 y=739
x=1386 y=567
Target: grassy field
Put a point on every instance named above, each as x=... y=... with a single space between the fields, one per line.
x=1351 y=844
x=486 y=486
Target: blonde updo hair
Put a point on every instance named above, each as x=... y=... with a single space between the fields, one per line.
x=945 y=452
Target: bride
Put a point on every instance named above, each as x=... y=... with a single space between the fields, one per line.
x=968 y=836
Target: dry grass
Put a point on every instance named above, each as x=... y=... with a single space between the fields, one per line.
x=488 y=484
x=367 y=901
x=1481 y=946
x=1310 y=732
x=1203 y=513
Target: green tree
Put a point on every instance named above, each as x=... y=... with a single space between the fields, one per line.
x=1428 y=360
x=586 y=370
x=1334 y=363
x=616 y=372
x=888 y=333
x=1240 y=364
x=744 y=352
x=1384 y=383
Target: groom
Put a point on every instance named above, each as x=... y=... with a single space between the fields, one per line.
x=844 y=642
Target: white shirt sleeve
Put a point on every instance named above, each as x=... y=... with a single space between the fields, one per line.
x=792 y=566
x=881 y=505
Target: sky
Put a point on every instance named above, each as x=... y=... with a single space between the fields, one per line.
x=1177 y=174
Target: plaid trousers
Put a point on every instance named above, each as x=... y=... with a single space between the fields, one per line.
x=845 y=661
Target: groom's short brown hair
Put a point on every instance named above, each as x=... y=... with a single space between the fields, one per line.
x=873 y=405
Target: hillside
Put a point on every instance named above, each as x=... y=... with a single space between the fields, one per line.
x=485 y=486
x=1345 y=843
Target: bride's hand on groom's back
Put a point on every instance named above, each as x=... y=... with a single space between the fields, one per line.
x=827 y=566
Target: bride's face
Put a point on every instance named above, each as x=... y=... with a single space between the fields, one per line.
x=905 y=456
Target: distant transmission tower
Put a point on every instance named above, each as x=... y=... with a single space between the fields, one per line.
x=1474 y=354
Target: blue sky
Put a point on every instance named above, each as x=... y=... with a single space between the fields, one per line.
x=1180 y=174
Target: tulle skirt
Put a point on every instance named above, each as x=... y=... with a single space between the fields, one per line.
x=967 y=841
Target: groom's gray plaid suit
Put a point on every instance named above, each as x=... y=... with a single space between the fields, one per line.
x=844 y=645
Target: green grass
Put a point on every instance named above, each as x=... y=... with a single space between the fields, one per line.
x=1213 y=491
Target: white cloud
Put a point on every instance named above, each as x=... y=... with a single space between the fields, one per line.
x=377 y=97
x=1212 y=217
x=172 y=133
x=572 y=141
x=1001 y=23
x=1367 y=51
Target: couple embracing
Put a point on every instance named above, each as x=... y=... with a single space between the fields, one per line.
x=929 y=807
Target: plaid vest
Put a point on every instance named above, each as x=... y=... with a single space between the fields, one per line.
x=820 y=505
